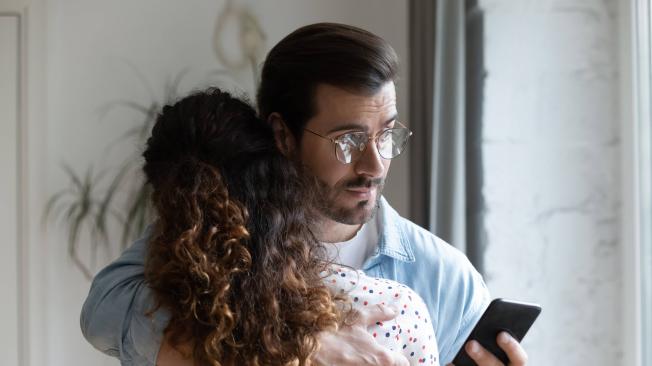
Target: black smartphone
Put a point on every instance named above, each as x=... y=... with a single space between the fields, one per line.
x=513 y=317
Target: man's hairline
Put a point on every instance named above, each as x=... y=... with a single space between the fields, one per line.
x=354 y=90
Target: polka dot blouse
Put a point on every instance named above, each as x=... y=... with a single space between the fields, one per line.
x=410 y=333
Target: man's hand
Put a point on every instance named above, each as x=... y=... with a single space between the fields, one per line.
x=514 y=351
x=353 y=345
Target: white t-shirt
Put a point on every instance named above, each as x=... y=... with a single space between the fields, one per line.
x=354 y=252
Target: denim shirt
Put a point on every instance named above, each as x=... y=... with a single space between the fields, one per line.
x=115 y=318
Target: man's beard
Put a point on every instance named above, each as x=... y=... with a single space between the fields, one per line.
x=327 y=201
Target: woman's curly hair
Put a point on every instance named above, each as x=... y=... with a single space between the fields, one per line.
x=231 y=256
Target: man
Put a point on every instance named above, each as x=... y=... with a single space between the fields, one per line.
x=328 y=92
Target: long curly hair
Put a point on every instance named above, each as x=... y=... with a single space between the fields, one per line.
x=231 y=255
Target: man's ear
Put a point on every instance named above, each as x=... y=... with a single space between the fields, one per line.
x=284 y=138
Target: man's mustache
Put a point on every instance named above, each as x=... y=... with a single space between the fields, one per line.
x=362 y=182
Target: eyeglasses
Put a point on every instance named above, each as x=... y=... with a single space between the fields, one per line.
x=350 y=146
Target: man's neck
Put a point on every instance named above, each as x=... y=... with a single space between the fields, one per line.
x=335 y=232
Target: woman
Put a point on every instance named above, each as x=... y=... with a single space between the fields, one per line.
x=232 y=257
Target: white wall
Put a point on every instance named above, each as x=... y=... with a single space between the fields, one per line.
x=88 y=52
x=551 y=150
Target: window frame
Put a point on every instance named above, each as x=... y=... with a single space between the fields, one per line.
x=637 y=188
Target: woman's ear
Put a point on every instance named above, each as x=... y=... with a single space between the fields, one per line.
x=284 y=138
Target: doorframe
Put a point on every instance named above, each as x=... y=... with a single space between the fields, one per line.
x=21 y=299
x=31 y=150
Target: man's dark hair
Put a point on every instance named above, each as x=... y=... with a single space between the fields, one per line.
x=324 y=53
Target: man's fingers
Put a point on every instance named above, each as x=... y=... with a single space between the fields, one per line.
x=514 y=351
x=377 y=313
x=354 y=346
x=381 y=356
x=389 y=358
x=480 y=355
x=398 y=359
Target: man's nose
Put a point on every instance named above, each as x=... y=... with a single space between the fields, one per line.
x=370 y=164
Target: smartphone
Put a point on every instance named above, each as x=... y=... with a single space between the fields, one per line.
x=514 y=317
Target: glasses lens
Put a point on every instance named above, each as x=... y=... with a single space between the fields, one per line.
x=392 y=142
x=349 y=146
x=344 y=149
x=343 y=153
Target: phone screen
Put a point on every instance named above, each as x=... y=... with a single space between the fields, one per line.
x=514 y=317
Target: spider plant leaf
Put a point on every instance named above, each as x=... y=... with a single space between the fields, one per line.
x=140 y=76
x=72 y=175
x=105 y=109
x=72 y=248
x=100 y=233
x=172 y=86
x=96 y=240
x=73 y=234
x=142 y=218
x=255 y=70
x=221 y=73
x=222 y=76
x=135 y=106
x=113 y=187
x=134 y=131
x=116 y=215
x=147 y=124
x=104 y=208
x=71 y=211
x=50 y=211
x=133 y=223
x=82 y=267
x=81 y=210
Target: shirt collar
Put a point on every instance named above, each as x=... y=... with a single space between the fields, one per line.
x=392 y=240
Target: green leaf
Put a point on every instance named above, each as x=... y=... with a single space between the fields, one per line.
x=72 y=175
x=50 y=211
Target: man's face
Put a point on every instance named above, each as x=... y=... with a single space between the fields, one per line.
x=351 y=191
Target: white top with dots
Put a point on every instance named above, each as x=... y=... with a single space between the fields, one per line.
x=410 y=333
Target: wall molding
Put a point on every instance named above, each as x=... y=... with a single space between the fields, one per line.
x=21 y=283
x=30 y=137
